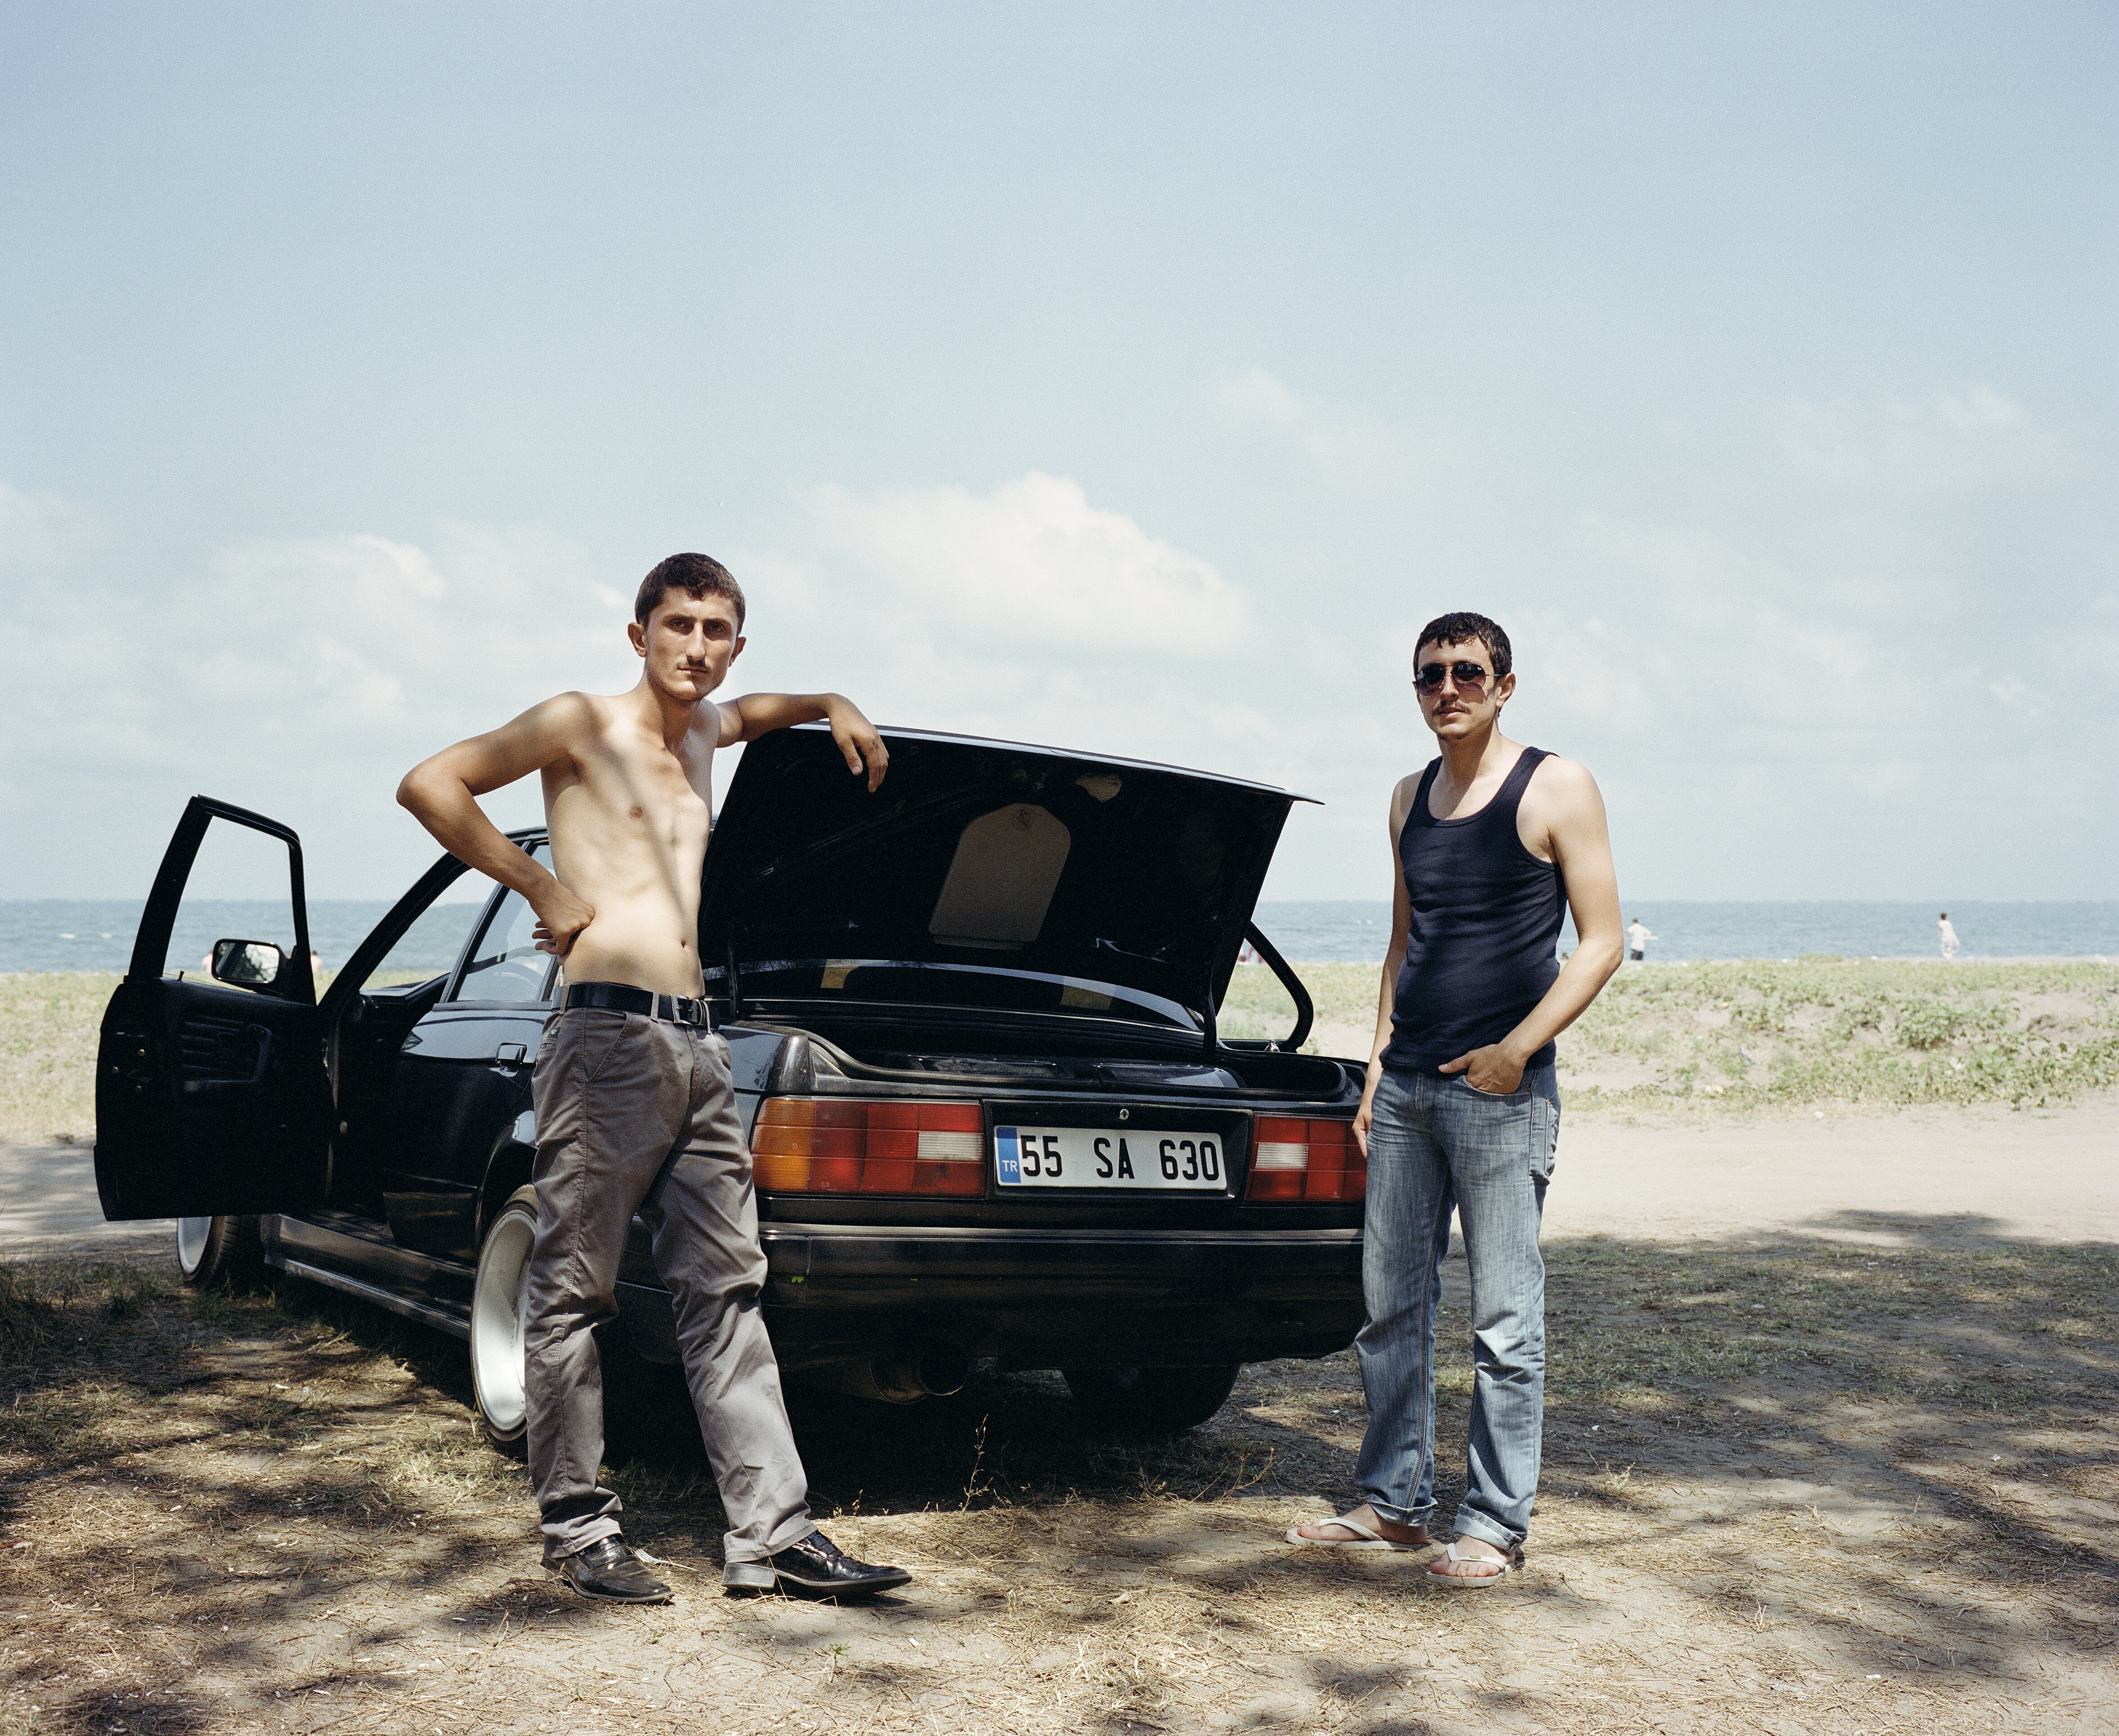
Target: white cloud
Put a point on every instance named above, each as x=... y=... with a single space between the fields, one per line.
x=43 y=532
x=1595 y=674
x=379 y=637
x=1952 y=442
x=300 y=677
x=1031 y=564
x=1718 y=638
x=1773 y=639
x=1021 y=611
x=1350 y=448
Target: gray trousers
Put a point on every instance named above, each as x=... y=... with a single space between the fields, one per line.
x=637 y=1114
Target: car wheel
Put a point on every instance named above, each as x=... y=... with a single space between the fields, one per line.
x=1151 y=1401
x=639 y=1399
x=500 y=1298
x=210 y=1249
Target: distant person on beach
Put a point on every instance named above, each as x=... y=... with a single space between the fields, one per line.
x=1948 y=938
x=1492 y=845
x=1637 y=937
x=634 y=1098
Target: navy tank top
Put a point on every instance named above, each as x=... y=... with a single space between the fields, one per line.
x=1481 y=951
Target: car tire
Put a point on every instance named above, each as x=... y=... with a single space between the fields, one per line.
x=1151 y=1401
x=500 y=1298
x=211 y=1249
x=635 y=1393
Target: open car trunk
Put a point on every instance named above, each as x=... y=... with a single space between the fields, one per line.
x=930 y=1047
x=1093 y=895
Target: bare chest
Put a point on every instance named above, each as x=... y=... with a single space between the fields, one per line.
x=670 y=802
x=661 y=798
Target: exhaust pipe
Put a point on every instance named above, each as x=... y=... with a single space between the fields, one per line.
x=934 y=1370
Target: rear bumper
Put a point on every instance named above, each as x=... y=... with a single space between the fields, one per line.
x=817 y=1262
x=1044 y=1298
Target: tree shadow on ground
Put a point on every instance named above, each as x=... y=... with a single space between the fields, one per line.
x=1888 y=1449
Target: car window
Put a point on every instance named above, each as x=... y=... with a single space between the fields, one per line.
x=505 y=964
x=239 y=890
x=432 y=946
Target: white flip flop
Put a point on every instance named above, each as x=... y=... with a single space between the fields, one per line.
x=1364 y=1538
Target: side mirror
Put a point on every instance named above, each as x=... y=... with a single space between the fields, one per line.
x=247 y=964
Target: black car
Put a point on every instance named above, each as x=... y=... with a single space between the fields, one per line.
x=972 y=1022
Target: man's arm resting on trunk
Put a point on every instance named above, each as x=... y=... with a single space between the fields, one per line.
x=754 y=715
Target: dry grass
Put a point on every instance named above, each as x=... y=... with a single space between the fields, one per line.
x=1730 y=1036
x=1756 y=1034
x=1790 y=1483
x=48 y=1030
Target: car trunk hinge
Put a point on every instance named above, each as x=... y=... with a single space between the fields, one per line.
x=1305 y=1010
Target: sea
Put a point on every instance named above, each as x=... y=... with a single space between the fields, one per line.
x=96 y=934
x=1354 y=931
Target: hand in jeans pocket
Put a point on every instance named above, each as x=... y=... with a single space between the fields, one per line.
x=1518 y=1095
x=1489 y=1071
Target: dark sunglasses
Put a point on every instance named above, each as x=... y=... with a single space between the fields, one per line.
x=1469 y=677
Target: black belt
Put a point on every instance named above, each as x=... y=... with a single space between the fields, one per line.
x=623 y=997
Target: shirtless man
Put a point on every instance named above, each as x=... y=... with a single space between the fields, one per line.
x=1490 y=845
x=634 y=1108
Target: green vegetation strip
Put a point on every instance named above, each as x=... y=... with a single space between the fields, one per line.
x=48 y=1030
x=1751 y=1034
x=1764 y=1033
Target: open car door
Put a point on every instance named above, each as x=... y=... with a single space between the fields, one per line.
x=210 y=1094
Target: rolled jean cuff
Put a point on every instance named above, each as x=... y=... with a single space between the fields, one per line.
x=1475 y=1525
x=1419 y=1516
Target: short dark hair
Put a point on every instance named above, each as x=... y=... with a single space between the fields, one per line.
x=1456 y=628
x=697 y=575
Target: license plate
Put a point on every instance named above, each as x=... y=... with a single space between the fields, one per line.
x=1096 y=1157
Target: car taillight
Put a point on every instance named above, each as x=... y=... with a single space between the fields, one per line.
x=1306 y=1160
x=836 y=1144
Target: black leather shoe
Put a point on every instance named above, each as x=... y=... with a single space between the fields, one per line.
x=813 y=1568
x=608 y=1569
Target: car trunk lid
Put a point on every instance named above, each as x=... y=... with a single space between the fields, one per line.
x=983 y=874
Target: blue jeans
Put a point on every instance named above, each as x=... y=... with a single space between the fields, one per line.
x=1436 y=1145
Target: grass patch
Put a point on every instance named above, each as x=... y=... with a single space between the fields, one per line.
x=1772 y=1463
x=1764 y=1032
x=1860 y=1031
x=1257 y=1006
x=1750 y=1034
x=49 y=1022
x=1628 y=1326
x=26 y=1318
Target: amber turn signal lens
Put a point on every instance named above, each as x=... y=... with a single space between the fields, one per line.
x=842 y=1145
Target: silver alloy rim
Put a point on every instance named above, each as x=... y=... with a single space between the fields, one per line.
x=192 y=1233
x=497 y=1309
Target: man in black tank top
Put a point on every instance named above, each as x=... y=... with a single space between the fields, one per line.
x=1492 y=845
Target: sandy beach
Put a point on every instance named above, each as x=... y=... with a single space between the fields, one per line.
x=1949 y=1176
x=1829 y=1445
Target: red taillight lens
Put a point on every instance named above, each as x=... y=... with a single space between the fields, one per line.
x=1307 y=1159
x=838 y=1145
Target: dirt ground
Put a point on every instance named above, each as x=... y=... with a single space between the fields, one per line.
x=1849 y=1467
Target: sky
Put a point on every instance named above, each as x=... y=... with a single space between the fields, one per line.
x=1134 y=378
